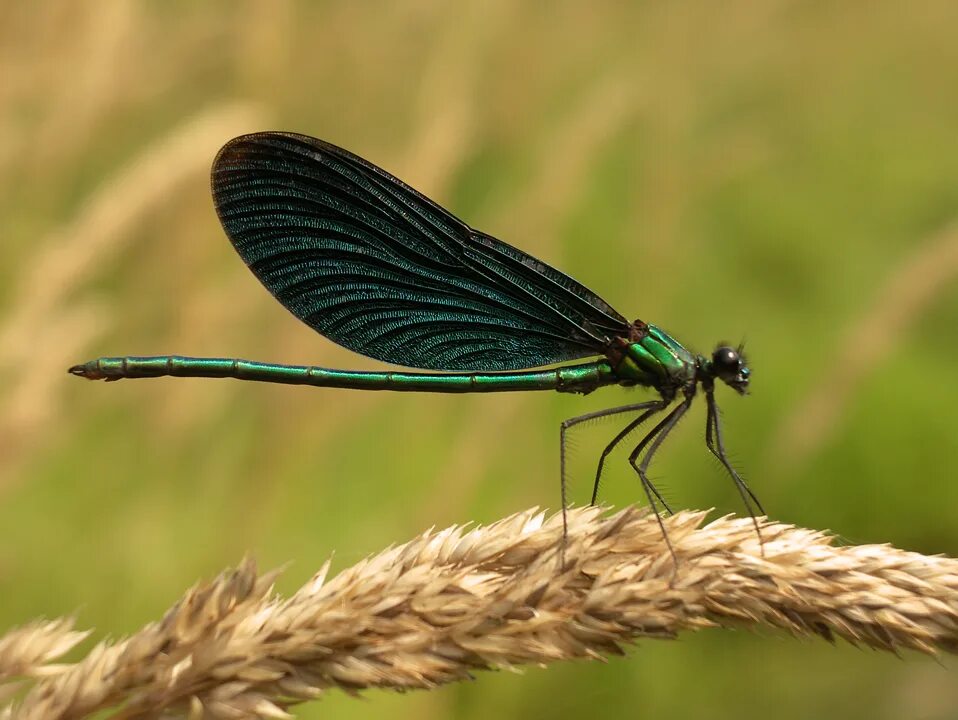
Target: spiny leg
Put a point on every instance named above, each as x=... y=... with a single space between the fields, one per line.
x=654 y=440
x=650 y=409
x=572 y=422
x=717 y=448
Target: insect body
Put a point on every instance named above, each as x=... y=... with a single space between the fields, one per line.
x=380 y=269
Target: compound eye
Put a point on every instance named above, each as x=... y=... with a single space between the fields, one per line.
x=726 y=360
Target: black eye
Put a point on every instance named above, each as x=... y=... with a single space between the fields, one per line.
x=726 y=360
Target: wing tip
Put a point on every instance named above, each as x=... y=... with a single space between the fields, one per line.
x=230 y=156
x=237 y=146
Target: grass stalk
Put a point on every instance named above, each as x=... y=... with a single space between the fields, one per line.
x=451 y=602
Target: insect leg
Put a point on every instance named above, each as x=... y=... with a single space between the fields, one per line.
x=717 y=448
x=654 y=440
x=650 y=409
x=650 y=406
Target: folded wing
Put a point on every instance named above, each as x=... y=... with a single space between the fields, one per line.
x=380 y=269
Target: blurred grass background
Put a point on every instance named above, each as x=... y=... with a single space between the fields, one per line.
x=783 y=171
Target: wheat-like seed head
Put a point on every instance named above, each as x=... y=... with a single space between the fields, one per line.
x=454 y=601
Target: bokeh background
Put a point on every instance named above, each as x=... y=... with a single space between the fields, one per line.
x=781 y=171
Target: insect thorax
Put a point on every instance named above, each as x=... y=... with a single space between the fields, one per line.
x=652 y=357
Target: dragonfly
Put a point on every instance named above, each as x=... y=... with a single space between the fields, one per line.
x=380 y=269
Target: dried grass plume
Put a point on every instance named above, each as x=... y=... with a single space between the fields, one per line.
x=455 y=601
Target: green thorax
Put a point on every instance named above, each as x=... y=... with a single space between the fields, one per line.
x=656 y=359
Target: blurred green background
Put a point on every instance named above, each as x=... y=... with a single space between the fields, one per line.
x=779 y=171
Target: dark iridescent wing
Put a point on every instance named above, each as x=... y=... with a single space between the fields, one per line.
x=378 y=268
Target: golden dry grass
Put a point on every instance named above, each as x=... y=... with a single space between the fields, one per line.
x=450 y=602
